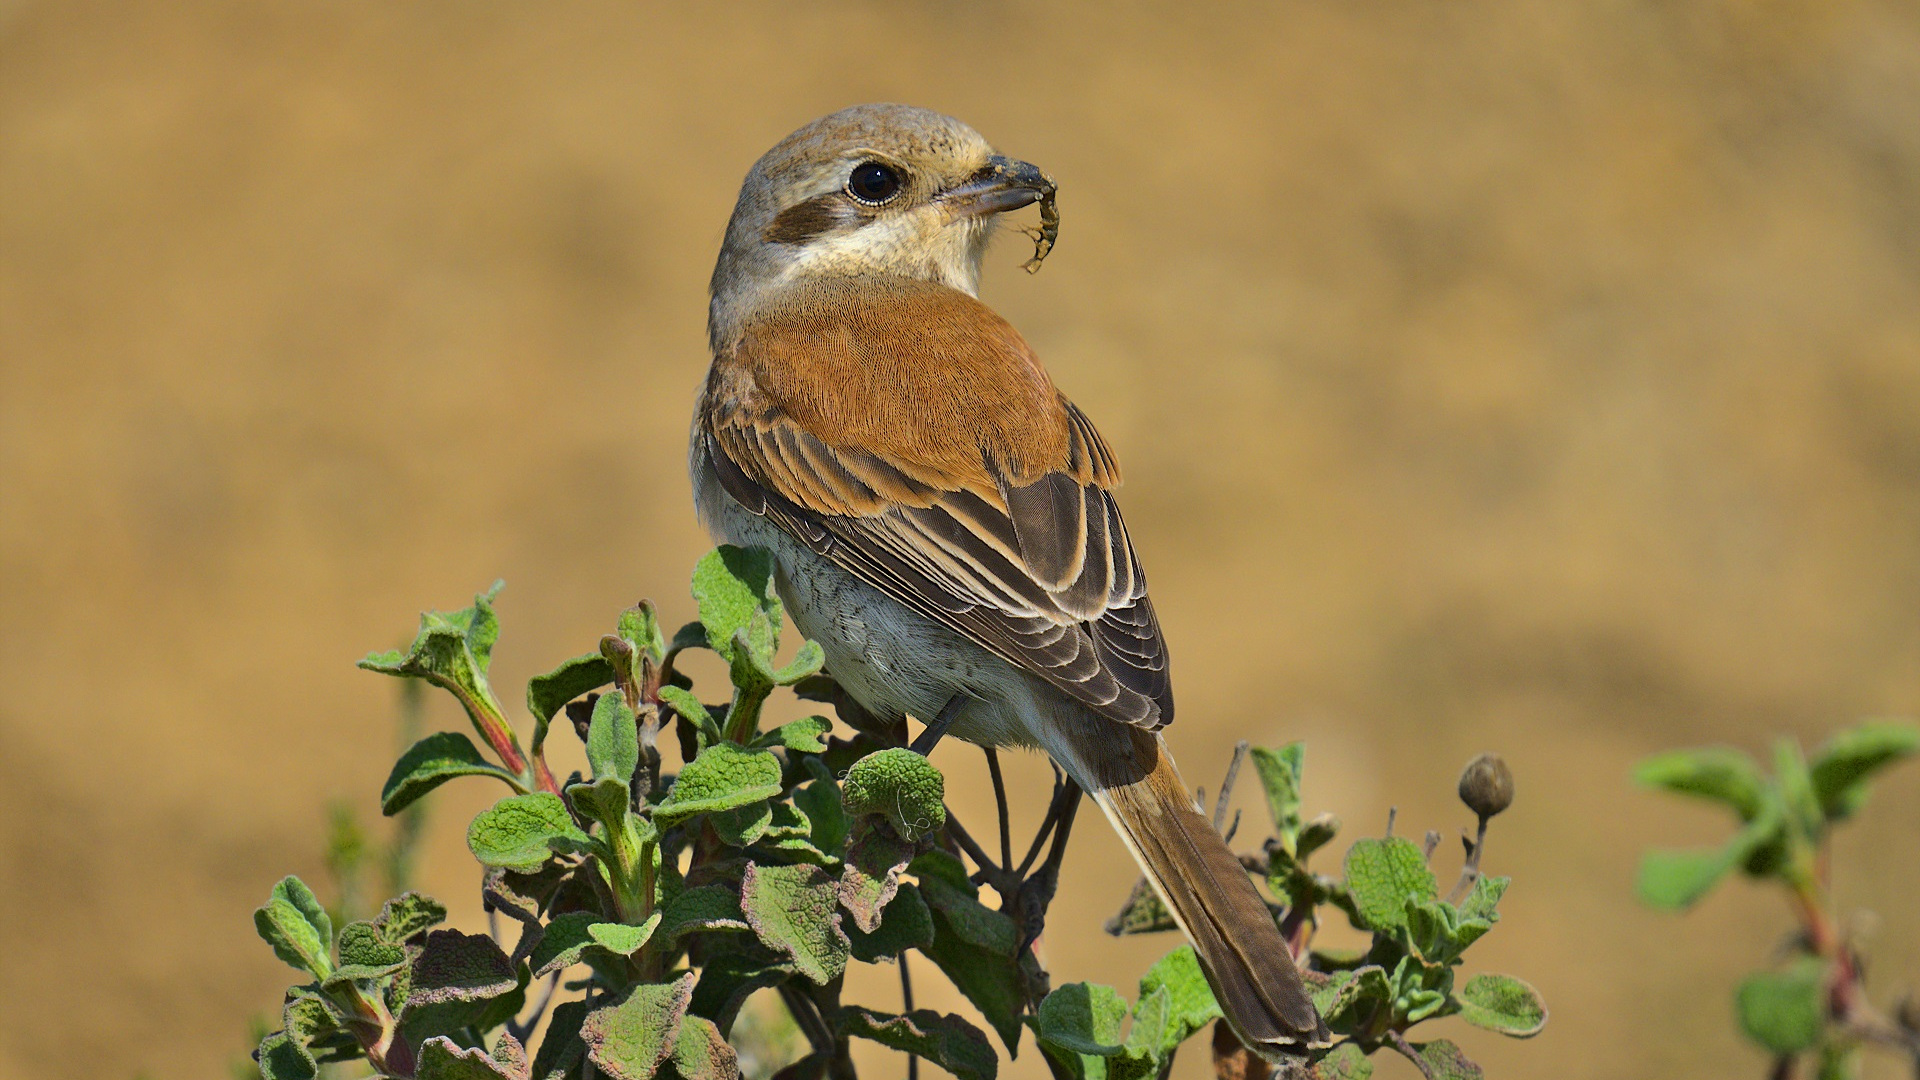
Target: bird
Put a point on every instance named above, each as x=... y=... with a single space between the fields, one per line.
x=941 y=516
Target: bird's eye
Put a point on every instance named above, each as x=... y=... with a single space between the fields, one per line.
x=873 y=183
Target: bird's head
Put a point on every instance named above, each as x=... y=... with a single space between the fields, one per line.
x=874 y=190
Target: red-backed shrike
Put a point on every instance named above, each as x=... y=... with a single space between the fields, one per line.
x=942 y=516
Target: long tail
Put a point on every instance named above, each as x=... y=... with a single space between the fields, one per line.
x=1131 y=775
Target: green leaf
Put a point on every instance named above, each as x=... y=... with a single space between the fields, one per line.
x=987 y=976
x=443 y=1059
x=820 y=800
x=1504 y=1004
x=743 y=825
x=548 y=694
x=631 y=1038
x=1143 y=913
x=613 y=742
x=433 y=761
x=453 y=651
x=1795 y=784
x=1190 y=1002
x=942 y=1038
x=519 y=832
x=297 y=926
x=1719 y=773
x=1154 y=1033
x=281 y=1058
x=1345 y=1062
x=791 y=910
x=684 y=703
x=723 y=777
x=640 y=626
x=806 y=735
x=707 y=908
x=1483 y=901
x=728 y=979
x=901 y=786
x=366 y=954
x=806 y=664
x=731 y=584
x=565 y=940
x=871 y=875
x=701 y=1053
x=408 y=914
x=907 y=923
x=453 y=966
x=1280 y=772
x=1382 y=875
x=1784 y=1011
x=1843 y=763
x=1349 y=998
x=1083 y=1018
x=623 y=938
x=1440 y=932
x=605 y=800
x=561 y=1050
x=1442 y=1060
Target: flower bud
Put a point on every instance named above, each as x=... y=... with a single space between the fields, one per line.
x=1486 y=785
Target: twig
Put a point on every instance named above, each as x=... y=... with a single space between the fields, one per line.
x=1426 y=846
x=1392 y=812
x=906 y=1006
x=1046 y=827
x=1406 y=1049
x=1470 y=870
x=808 y=1018
x=1226 y=785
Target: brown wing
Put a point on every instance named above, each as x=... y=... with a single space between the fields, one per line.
x=1005 y=533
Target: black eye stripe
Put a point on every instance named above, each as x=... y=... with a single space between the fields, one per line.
x=873 y=183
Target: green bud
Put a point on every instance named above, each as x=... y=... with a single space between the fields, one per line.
x=1486 y=785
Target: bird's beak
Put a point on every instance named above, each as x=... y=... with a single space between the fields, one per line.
x=1004 y=184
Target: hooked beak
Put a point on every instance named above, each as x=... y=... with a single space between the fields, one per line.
x=1004 y=184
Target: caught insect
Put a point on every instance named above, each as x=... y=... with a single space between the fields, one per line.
x=1045 y=235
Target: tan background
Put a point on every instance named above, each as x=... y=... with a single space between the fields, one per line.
x=1541 y=376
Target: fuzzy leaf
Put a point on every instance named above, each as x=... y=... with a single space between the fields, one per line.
x=707 y=908
x=807 y=735
x=730 y=584
x=366 y=954
x=1083 y=1018
x=944 y=1039
x=548 y=694
x=1504 y=1004
x=1719 y=773
x=561 y=1050
x=297 y=926
x=900 y=785
x=907 y=923
x=433 y=761
x=1484 y=900
x=871 y=875
x=820 y=801
x=630 y=1039
x=613 y=743
x=281 y=1058
x=1843 y=763
x=727 y=980
x=1344 y=1062
x=623 y=938
x=743 y=826
x=519 y=832
x=459 y=967
x=1190 y=1002
x=452 y=650
x=701 y=1053
x=563 y=943
x=1784 y=1011
x=443 y=1059
x=1143 y=913
x=688 y=706
x=1382 y=875
x=1349 y=997
x=1280 y=771
x=987 y=978
x=1442 y=1060
x=723 y=777
x=791 y=910
x=408 y=914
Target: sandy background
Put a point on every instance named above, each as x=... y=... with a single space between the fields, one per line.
x=1538 y=376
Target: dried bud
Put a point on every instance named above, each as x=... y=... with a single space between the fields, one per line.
x=1486 y=785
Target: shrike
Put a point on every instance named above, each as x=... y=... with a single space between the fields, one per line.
x=942 y=517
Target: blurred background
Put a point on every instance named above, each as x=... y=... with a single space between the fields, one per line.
x=1496 y=374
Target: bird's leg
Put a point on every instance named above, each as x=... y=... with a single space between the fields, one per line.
x=949 y=712
x=1036 y=892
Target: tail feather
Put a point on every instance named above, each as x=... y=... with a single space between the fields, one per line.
x=1132 y=777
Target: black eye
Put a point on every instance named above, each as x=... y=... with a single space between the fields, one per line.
x=873 y=183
